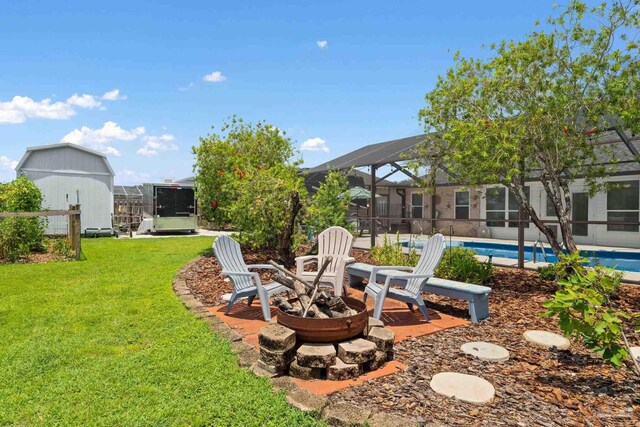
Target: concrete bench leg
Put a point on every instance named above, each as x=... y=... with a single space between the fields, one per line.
x=479 y=308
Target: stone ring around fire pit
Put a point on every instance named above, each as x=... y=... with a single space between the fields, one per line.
x=361 y=349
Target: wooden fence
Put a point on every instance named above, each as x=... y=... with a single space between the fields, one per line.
x=73 y=230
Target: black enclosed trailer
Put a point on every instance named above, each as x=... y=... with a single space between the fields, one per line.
x=168 y=207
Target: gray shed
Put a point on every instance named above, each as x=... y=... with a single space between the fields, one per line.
x=69 y=174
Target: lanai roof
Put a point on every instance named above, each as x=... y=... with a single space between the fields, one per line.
x=403 y=149
x=378 y=154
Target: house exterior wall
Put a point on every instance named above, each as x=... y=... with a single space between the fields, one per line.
x=597 y=211
x=445 y=208
x=68 y=176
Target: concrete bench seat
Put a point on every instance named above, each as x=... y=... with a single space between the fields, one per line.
x=477 y=295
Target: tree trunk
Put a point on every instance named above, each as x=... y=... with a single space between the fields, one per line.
x=565 y=219
x=285 y=246
x=518 y=191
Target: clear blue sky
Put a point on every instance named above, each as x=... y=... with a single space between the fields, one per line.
x=365 y=85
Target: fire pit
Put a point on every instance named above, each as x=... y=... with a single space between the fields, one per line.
x=312 y=329
x=321 y=336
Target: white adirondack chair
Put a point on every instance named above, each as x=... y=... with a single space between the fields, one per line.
x=335 y=242
x=245 y=283
x=414 y=277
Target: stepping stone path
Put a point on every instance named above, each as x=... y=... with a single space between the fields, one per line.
x=486 y=351
x=635 y=353
x=547 y=339
x=463 y=387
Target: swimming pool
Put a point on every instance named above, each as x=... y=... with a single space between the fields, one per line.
x=621 y=260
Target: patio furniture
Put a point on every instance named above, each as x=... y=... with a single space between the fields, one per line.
x=413 y=279
x=335 y=242
x=477 y=295
x=246 y=284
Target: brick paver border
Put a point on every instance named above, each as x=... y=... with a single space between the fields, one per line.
x=320 y=406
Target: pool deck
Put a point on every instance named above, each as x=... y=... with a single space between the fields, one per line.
x=628 y=277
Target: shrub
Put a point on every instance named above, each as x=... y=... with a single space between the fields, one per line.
x=391 y=253
x=19 y=236
x=330 y=204
x=548 y=272
x=245 y=177
x=62 y=248
x=587 y=312
x=461 y=264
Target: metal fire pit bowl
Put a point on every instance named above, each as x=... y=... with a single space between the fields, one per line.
x=311 y=329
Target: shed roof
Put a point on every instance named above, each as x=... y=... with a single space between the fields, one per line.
x=60 y=145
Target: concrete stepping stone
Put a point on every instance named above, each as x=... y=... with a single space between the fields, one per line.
x=463 y=387
x=485 y=351
x=635 y=353
x=547 y=339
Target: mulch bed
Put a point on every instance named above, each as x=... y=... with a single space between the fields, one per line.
x=534 y=387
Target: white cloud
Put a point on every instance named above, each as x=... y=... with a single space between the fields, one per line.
x=7 y=169
x=83 y=101
x=322 y=44
x=185 y=88
x=214 y=77
x=113 y=95
x=100 y=139
x=156 y=144
x=21 y=108
x=315 y=144
x=129 y=177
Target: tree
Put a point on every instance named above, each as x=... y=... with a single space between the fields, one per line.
x=534 y=108
x=244 y=176
x=330 y=204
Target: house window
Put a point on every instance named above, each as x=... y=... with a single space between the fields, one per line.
x=501 y=205
x=416 y=205
x=496 y=202
x=551 y=209
x=623 y=204
x=462 y=205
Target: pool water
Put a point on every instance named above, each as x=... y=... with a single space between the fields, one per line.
x=621 y=260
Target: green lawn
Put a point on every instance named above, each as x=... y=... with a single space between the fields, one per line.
x=105 y=342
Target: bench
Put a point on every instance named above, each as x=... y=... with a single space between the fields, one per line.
x=477 y=295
